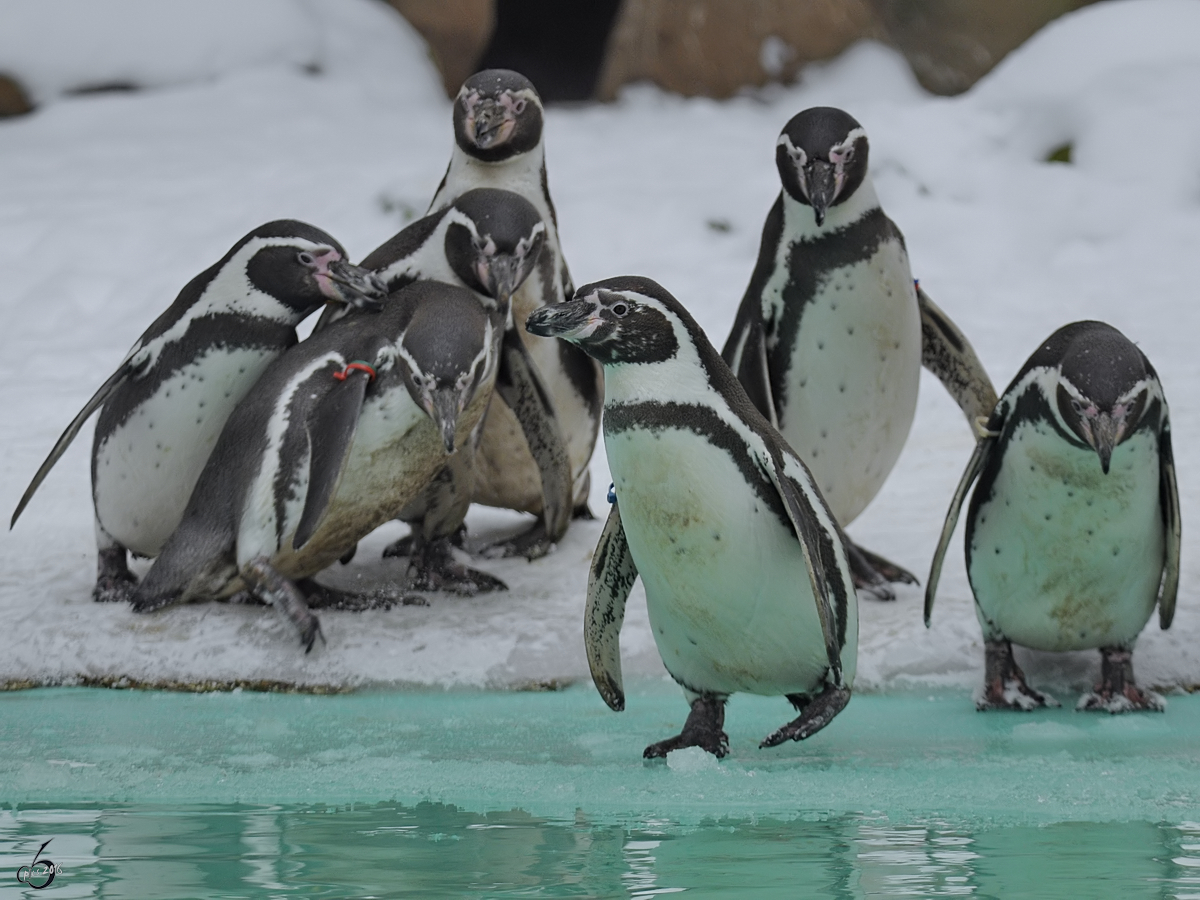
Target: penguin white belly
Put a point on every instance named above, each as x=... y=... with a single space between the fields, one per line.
x=146 y=468
x=727 y=591
x=855 y=367
x=1064 y=557
x=506 y=474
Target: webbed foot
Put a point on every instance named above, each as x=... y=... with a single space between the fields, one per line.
x=703 y=729
x=1004 y=685
x=283 y=594
x=583 y=512
x=432 y=567
x=815 y=714
x=404 y=546
x=114 y=582
x=872 y=573
x=321 y=596
x=1117 y=692
x=533 y=543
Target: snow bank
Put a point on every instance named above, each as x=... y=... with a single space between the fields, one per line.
x=112 y=202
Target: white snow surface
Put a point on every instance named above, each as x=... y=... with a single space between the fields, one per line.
x=330 y=112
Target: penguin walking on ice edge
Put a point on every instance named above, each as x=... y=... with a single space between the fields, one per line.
x=747 y=578
x=1073 y=532
x=163 y=409
x=832 y=332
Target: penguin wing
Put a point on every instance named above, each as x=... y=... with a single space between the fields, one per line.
x=610 y=579
x=133 y=364
x=979 y=459
x=331 y=430
x=1169 y=498
x=520 y=386
x=746 y=354
x=819 y=563
x=946 y=352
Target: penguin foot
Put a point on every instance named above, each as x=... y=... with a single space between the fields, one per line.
x=1116 y=692
x=702 y=729
x=403 y=546
x=268 y=583
x=815 y=714
x=871 y=573
x=532 y=544
x=1004 y=685
x=114 y=582
x=432 y=567
x=583 y=512
x=321 y=596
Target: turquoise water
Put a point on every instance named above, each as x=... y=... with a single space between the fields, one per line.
x=471 y=794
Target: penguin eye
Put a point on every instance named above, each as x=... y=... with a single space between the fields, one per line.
x=417 y=379
x=519 y=106
x=1077 y=407
x=619 y=310
x=305 y=258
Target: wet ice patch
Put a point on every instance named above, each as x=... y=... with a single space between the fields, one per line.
x=691 y=761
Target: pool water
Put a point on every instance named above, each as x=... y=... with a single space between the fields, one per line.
x=491 y=794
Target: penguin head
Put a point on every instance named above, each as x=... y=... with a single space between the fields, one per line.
x=303 y=267
x=1103 y=388
x=497 y=115
x=493 y=241
x=619 y=320
x=447 y=352
x=821 y=155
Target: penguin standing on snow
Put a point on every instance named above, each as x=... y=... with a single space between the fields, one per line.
x=498 y=119
x=490 y=242
x=163 y=409
x=747 y=580
x=1073 y=532
x=336 y=438
x=832 y=332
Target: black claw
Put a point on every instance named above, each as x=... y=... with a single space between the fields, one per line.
x=432 y=567
x=702 y=729
x=872 y=573
x=815 y=714
x=1004 y=685
x=114 y=582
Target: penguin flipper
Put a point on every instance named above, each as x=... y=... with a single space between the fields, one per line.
x=127 y=369
x=331 y=430
x=520 y=386
x=803 y=516
x=1169 y=498
x=946 y=352
x=610 y=579
x=979 y=458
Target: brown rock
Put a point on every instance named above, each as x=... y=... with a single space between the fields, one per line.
x=457 y=32
x=715 y=47
x=951 y=44
x=13 y=99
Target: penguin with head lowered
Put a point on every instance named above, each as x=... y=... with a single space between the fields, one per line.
x=832 y=332
x=747 y=579
x=489 y=241
x=163 y=409
x=336 y=438
x=498 y=120
x=1073 y=532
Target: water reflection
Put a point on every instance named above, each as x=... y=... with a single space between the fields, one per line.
x=435 y=850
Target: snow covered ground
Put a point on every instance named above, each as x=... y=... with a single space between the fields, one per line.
x=329 y=111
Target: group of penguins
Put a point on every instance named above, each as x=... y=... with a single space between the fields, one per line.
x=457 y=364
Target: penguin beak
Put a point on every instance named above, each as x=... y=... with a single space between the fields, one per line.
x=445 y=414
x=1106 y=433
x=504 y=276
x=489 y=124
x=822 y=183
x=355 y=286
x=569 y=320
